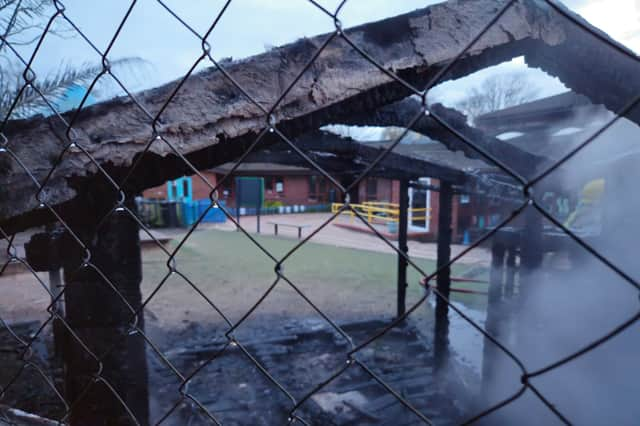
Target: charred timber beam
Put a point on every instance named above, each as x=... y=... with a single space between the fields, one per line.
x=336 y=153
x=589 y=62
x=334 y=165
x=211 y=122
x=402 y=112
x=331 y=164
x=429 y=187
x=411 y=166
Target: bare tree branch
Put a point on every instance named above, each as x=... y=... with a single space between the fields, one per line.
x=497 y=92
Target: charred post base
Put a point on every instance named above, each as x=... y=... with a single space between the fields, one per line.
x=102 y=293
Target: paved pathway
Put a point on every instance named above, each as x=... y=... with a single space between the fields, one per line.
x=341 y=237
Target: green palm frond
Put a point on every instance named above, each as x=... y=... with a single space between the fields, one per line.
x=53 y=88
x=19 y=21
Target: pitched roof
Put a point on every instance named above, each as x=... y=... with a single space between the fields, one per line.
x=553 y=104
x=262 y=169
x=427 y=149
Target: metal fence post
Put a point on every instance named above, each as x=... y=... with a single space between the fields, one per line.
x=100 y=318
x=441 y=342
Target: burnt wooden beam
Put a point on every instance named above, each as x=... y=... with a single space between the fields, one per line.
x=332 y=165
x=402 y=164
x=402 y=112
x=339 y=154
x=589 y=62
x=211 y=122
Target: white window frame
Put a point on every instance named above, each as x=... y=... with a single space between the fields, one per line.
x=427 y=227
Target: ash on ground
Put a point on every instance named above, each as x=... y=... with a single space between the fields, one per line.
x=300 y=356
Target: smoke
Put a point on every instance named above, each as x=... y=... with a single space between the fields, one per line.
x=573 y=298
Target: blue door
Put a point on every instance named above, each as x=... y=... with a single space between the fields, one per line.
x=180 y=189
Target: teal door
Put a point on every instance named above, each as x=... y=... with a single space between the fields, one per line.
x=180 y=189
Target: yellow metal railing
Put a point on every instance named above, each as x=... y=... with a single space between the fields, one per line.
x=380 y=211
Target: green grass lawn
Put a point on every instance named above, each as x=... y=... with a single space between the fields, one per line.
x=227 y=266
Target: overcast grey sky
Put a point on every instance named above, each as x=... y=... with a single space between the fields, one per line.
x=250 y=26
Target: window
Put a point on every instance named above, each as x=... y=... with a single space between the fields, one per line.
x=279 y=184
x=323 y=185
x=318 y=188
x=274 y=183
x=372 y=189
x=464 y=199
x=313 y=187
x=227 y=187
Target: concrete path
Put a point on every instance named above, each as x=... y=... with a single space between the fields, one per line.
x=341 y=237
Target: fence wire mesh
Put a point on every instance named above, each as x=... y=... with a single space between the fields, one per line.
x=122 y=206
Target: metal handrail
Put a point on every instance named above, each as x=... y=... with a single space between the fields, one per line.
x=374 y=211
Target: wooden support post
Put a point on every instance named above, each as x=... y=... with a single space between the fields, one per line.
x=55 y=287
x=492 y=321
x=508 y=306
x=531 y=254
x=402 y=245
x=43 y=253
x=101 y=320
x=531 y=251
x=441 y=341
x=55 y=279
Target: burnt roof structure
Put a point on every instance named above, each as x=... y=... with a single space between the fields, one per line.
x=209 y=120
x=80 y=167
x=262 y=169
x=553 y=126
x=339 y=155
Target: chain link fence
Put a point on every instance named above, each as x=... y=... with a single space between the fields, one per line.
x=121 y=208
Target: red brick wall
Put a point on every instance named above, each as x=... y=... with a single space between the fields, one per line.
x=199 y=188
x=395 y=191
x=157 y=192
x=295 y=191
x=384 y=190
